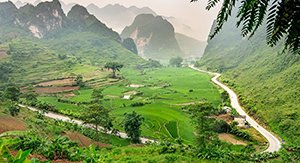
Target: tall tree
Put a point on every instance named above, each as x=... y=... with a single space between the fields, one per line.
x=13 y=109
x=132 y=126
x=201 y=115
x=176 y=62
x=12 y=93
x=79 y=81
x=283 y=19
x=97 y=95
x=114 y=66
x=99 y=116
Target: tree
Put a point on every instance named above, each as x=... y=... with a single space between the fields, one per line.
x=79 y=81
x=114 y=66
x=201 y=115
x=97 y=94
x=14 y=109
x=132 y=125
x=283 y=19
x=176 y=62
x=12 y=93
x=129 y=44
x=99 y=116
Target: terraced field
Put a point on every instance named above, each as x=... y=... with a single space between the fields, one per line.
x=159 y=97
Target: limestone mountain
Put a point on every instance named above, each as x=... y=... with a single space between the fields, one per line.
x=118 y=16
x=48 y=19
x=80 y=19
x=40 y=20
x=154 y=37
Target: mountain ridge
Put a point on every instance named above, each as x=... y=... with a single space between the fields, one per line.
x=154 y=37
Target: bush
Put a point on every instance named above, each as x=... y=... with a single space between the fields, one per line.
x=14 y=109
x=137 y=104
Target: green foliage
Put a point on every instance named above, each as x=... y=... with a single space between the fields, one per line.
x=132 y=125
x=97 y=94
x=201 y=115
x=114 y=66
x=14 y=109
x=79 y=81
x=12 y=93
x=267 y=81
x=176 y=62
x=59 y=147
x=150 y=64
x=99 y=116
x=282 y=19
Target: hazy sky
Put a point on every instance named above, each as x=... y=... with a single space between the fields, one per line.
x=192 y=14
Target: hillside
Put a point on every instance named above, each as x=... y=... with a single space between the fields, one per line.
x=267 y=80
x=191 y=47
x=154 y=37
x=36 y=39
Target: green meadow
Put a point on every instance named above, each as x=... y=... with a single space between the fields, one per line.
x=157 y=94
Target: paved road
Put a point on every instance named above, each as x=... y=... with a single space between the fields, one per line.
x=81 y=123
x=274 y=143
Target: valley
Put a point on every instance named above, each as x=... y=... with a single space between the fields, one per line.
x=84 y=82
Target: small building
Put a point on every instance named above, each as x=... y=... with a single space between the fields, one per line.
x=241 y=120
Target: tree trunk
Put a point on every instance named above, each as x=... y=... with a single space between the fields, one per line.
x=114 y=73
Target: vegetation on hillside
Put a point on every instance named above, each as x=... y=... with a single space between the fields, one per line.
x=282 y=19
x=266 y=80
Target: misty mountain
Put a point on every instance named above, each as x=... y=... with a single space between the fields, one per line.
x=154 y=37
x=191 y=47
x=182 y=28
x=117 y=16
x=47 y=19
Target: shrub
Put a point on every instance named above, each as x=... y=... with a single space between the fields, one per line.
x=14 y=109
x=137 y=104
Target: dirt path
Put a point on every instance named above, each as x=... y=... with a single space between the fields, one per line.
x=274 y=143
x=231 y=139
x=81 y=123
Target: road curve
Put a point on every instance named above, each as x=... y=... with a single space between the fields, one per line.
x=81 y=123
x=274 y=143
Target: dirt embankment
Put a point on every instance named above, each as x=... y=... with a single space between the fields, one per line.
x=231 y=139
x=84 y=141
x=52 y=90
x=59 y=82
x=8 y=123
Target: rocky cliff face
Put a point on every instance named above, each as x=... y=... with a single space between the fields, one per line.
x=154 y=37
x=47 y=19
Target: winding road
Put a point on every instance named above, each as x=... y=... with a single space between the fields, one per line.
x=274 y=143
x=81 y=123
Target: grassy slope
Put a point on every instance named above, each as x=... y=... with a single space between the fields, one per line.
x=120 y=151
x=36 y=60
x=163 y=109
x=267 y=81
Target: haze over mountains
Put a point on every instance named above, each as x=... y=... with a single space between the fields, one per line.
x=118 y=17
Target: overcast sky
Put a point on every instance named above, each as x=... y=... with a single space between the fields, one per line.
x=192 y=14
